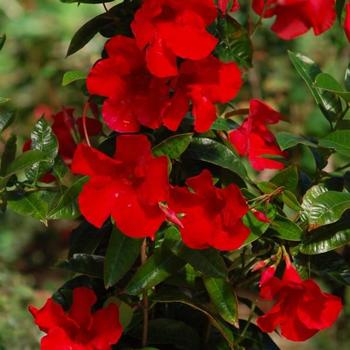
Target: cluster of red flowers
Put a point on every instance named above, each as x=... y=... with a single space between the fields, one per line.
x=151 y=80
x=301 y=309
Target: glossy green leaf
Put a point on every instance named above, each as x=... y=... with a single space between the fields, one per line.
x=72 y=76
x=25 y=160
x=234 y=42
x=308 y=70
x=214 y=152
x=207 y=261
x=41 y=205
x=338 y=140
x=326 y=82
x=328 y=208
x=121 y=255
x=90 y=265
x=286 y=229
x=6 y=118
x=287 y=140
x=326 y=238
x=8 y=155
x=223 y=298
x=87 y=1
x=44 y=140
x=174 y=146
x=309 y=199
x=157 y=268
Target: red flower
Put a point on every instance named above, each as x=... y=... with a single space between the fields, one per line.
x=203 y=83
x=301 y=309
x=210 y=216
x=134 y=96
x=347 y=21
x=254 y=140
x=171 y=28
x=296 y=17
x=223 y=5
x=79 y=328
x=67 y=128
x=129 y=186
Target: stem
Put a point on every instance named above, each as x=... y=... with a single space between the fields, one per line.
x=105 y=6
x=245 y=329
x=144 y=298
x=86 y=134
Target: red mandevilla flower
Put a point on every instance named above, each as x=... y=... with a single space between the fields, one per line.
x=203 y=83
x=301 y=309
x=134 y=96
x=129 y=187
x=168 y=29
x=210 y=216
x=223 y=5
x=79 y=328
x=347 y=21
x=254 y=140
x=296 y=17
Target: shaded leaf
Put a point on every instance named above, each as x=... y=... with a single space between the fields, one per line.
x=286 y=140
x=25 y=160
x=121 y=254
x=90 y=265
x=214 y=152
x=207 y=261
x=6 y=118
x=286 y=229
x=9 y=154
x=287 y=178
x=338 y=140
x=326 y=82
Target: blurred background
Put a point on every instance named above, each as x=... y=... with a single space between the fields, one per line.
x=32 y=65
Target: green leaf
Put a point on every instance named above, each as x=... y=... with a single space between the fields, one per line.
x=41 y=205
x=328 y=208
x=121 y=255
x=327 y=238
x=173 y=332
x=339 y=6
x=44 y=140
x=6 y=118
x=71 y=76
x=9 y=154
x=216 y=153
x=157 y=268
x=286 y=229
x=287 y=178
x=118 y=16
x=90 y=265
x=174 y=146
x=308 y=70
x=234 y=42
x=326 y=82
x=338 y=140
x=25 y=160
x=69 y=196
x=309 y=199
x=207 y=261
x=222 y=296
x=2 y=40
x=286 y=140
x=347 y=78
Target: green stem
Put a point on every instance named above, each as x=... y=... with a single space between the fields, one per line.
x=144 y=298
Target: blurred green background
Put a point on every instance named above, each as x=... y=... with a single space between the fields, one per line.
x=32 y=64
